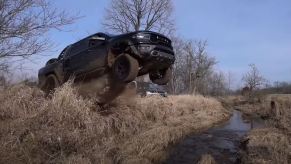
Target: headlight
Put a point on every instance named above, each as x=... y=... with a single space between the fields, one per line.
x=142 y=36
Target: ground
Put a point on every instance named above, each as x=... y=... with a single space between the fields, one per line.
x=272 y=143
x=67 y=128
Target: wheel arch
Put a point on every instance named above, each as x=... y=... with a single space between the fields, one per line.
x=43 y=79
x=127 y=47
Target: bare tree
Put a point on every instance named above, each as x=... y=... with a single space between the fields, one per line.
x=133 y=15
x=3 y=80
x=178 y=83
x=230 y=78
x=3 y=66
x=23 y=24
x=201 y=67
x=217 y=84
x=193 y=67
x=253 y=78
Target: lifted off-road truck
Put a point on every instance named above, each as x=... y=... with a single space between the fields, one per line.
x=122 y=57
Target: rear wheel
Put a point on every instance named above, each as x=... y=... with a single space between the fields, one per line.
x=125 y=68
x=161 y=77
x=50 y=84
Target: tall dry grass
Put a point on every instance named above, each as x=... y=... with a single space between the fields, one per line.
x=279 y=109
x=206 y=159
x=267 y=146
x=70 y=129
x=271 y=144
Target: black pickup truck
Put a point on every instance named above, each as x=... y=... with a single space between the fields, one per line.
x=123 y=57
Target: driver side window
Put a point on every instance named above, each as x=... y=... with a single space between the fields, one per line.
x=96 y=40
x=61 y=56
x=93 y=43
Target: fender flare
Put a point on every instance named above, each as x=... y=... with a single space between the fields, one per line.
x=130 y=49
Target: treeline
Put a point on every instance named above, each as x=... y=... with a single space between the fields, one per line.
x=194 y=70
x=255 y=83
x=278 y=88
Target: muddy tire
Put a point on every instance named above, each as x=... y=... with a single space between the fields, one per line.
x=161 y=77
x=50 y=84
x=125 y=68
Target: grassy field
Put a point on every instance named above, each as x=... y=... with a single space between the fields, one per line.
x=267 y=146
x=271 y=144
x=70 y=129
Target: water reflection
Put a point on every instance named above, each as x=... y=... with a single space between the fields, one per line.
x=221 y=142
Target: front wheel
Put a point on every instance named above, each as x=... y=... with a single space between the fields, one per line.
x=161 y=77
x=125 y=68
x=50 y=84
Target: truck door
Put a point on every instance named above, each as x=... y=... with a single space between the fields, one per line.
x=73 y=60
x=86 y=55
x=96 y=56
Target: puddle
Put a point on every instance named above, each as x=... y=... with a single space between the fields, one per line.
x=222 y=142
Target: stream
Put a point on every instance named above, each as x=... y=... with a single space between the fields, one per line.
x=221 y=142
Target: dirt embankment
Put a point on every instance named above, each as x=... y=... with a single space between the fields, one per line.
x=70 y=129
x=273 y=143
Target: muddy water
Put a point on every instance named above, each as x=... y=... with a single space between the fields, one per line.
x=222 y=142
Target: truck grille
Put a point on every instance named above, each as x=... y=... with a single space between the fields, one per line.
x=158 y=39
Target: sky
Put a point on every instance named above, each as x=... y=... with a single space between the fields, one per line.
x=239 y=32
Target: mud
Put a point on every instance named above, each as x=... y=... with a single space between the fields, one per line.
x=103 y=89
x=221 y=142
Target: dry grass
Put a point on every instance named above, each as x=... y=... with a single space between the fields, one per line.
x=275 y=107
x=243 y=104
x=279 y=109
x=70 y=129
x=207 y=159
x=267 y=146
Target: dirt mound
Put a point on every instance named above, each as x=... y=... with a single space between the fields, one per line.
x=70 y=129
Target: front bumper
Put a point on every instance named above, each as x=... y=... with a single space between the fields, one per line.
x=160 y=56
x=156 y=54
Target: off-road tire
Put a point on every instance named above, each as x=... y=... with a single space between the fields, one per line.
x=161 y=77
x=125 y=68
x=50 y=84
